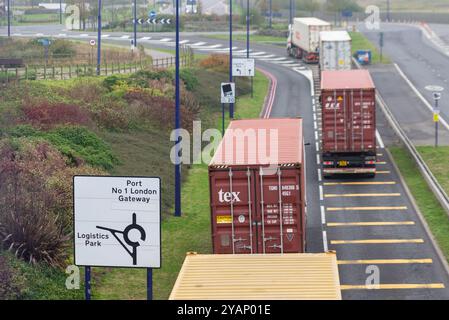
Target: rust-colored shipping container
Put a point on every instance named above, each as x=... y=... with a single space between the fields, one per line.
x=348 y=100
x=257 y=188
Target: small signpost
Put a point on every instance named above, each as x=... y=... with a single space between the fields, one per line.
x=381 y=45
x=117 y=223
x=436 y=91
x=46 y=44
x=227 y=97
x=243 y=67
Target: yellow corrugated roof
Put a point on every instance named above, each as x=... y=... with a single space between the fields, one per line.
x=302 y=276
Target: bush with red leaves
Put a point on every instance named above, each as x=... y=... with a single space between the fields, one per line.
x=46 y=116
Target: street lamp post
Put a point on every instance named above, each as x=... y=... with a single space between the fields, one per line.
x=135 y=24
x=99 y=39
x=9 y=18
x=177 y=122
x=231 y=106
x=248 y=20
x=60 y=11
x=271 y=14
x=388 y=10
x=436 y=91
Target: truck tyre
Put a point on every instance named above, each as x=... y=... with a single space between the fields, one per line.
x=371 y=175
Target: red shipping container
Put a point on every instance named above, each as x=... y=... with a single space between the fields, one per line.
x=348 y=100
x=256 y=206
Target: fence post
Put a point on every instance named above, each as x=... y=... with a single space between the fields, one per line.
x=70 y=71
x=119 y=70
x=35 y=72
x=17 y=75
x=26 y=73
x=62 y=73
x=45 y=72
x=53 y=72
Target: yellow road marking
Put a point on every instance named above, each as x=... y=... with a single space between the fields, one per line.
x=369 y=224
x=350 y=195
x=384 y=261
x=383 y=172
x=377 y=241
x=394 y=286
x=373 y=183
x=364 y=208
x=381 y=162
x=380 y=154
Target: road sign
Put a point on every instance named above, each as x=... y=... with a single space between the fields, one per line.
x=45 y=42
x=92 y=42
x=228 y=92
x=243 y=67
x=152 y=14
x=436 y=117
x=346 y=13
x=161 y=21
x=117 y=221
x=434 y=88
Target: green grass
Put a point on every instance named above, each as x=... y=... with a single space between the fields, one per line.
x=360 y=42
x=434 y=214
x=253 y=38
x=191 y=232
x=436 y=159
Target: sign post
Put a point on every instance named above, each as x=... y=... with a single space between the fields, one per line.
x=231 y=107
x=99 y=39
x=381 y=45
x=117 y=223
x=436 y=90
x=227 y=97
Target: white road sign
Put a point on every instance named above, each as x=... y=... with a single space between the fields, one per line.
x=228 y=92
x=92 y=42
x=117 y=221
x=243 y=67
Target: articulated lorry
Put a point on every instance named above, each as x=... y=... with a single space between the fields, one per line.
x=304 y=38
x=348 y=144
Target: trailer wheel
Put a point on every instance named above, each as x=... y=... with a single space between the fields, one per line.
x=371 y=175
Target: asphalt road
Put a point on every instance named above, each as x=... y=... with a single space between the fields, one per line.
x=421 y=62
x=372 y=224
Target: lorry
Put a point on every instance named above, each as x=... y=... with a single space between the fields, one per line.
x=304 y=38
x=258 y=202
x=335 y=50
x=348 y=107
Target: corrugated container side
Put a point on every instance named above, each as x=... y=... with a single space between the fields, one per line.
x=336 y=54
x=348 y=114
x=255 y=209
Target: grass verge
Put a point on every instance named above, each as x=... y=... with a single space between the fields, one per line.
x=360 y=42
x=434 y=214
x=191 y=232
x=436 y=159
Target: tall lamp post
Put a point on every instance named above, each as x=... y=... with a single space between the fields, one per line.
x=135 y=24
x=388 y=10
x=9 y=18
x=177 y=122
x=436 y=91
x=231 y=106
x=99 y=39
x=60 y=11
x=271 y=14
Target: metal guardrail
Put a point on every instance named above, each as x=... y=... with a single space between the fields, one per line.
x=432 y=182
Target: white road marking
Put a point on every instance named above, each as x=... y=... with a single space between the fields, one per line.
x=420 y=96
x=184 y=41
x=379 y=140
x=317 y=146
x=325 y=246
x=105 y=35
x=321 y=193
x=323 y=215
x=257 y=53
x=84 y=35
x=318 y=160
x=198 y=44
x=165 y=40
x=145 y=38
x=124 y=37
x=320 y=177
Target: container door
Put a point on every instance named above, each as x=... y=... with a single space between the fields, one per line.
x=335 y=120
x=280 y=211
x=233 y=208
x=361 y=121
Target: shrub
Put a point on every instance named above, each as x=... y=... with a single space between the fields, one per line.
x=62 y=49
x=189 y=79
x=218 y=62
x=45 y=115
x=78 y=144
x=27 y=228
x=10 y=285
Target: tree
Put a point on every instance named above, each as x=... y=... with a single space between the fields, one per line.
x=341 y=5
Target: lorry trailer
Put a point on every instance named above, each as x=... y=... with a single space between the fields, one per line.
x=293 y=276
x=335 y=50
x=304 y=38
x=348 y=144
x=258 y=204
